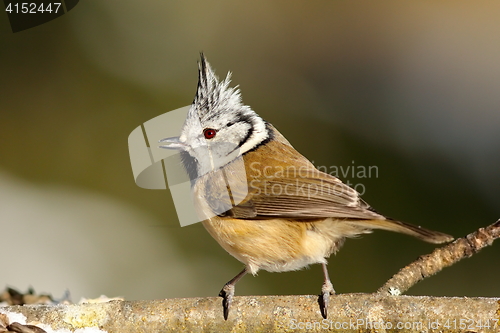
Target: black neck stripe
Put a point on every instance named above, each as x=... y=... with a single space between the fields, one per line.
x=190 y=165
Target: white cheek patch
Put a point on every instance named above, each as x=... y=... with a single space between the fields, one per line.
x=259 y=134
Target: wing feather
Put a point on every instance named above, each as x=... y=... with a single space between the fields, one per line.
x=283 y=183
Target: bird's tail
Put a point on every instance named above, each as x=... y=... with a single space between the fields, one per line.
x=426 y=235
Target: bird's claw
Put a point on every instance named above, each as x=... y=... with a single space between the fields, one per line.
x=324 y=298
x=227 y=294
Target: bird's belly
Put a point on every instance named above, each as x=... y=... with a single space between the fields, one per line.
x=273 y=245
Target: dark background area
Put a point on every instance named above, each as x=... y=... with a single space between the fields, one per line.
x=412 y=88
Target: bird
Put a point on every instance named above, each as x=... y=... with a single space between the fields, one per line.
x=259 y=198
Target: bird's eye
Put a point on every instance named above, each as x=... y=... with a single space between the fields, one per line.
x=209 y=133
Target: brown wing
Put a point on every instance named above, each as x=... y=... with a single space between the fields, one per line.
x=283 y=183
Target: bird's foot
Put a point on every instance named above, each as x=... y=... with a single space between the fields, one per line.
x=227 y=294
x=324 y=298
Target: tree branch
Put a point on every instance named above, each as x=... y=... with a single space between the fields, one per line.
x=347 y=313
x=440 y=258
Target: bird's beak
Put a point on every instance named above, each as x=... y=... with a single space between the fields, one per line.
x=173 y=143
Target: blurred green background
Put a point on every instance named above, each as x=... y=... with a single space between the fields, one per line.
x=412 y=88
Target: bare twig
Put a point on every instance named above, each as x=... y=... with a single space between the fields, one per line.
x=445 y=256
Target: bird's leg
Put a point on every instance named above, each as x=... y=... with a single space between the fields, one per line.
x=326 y=291
x=227 y=292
